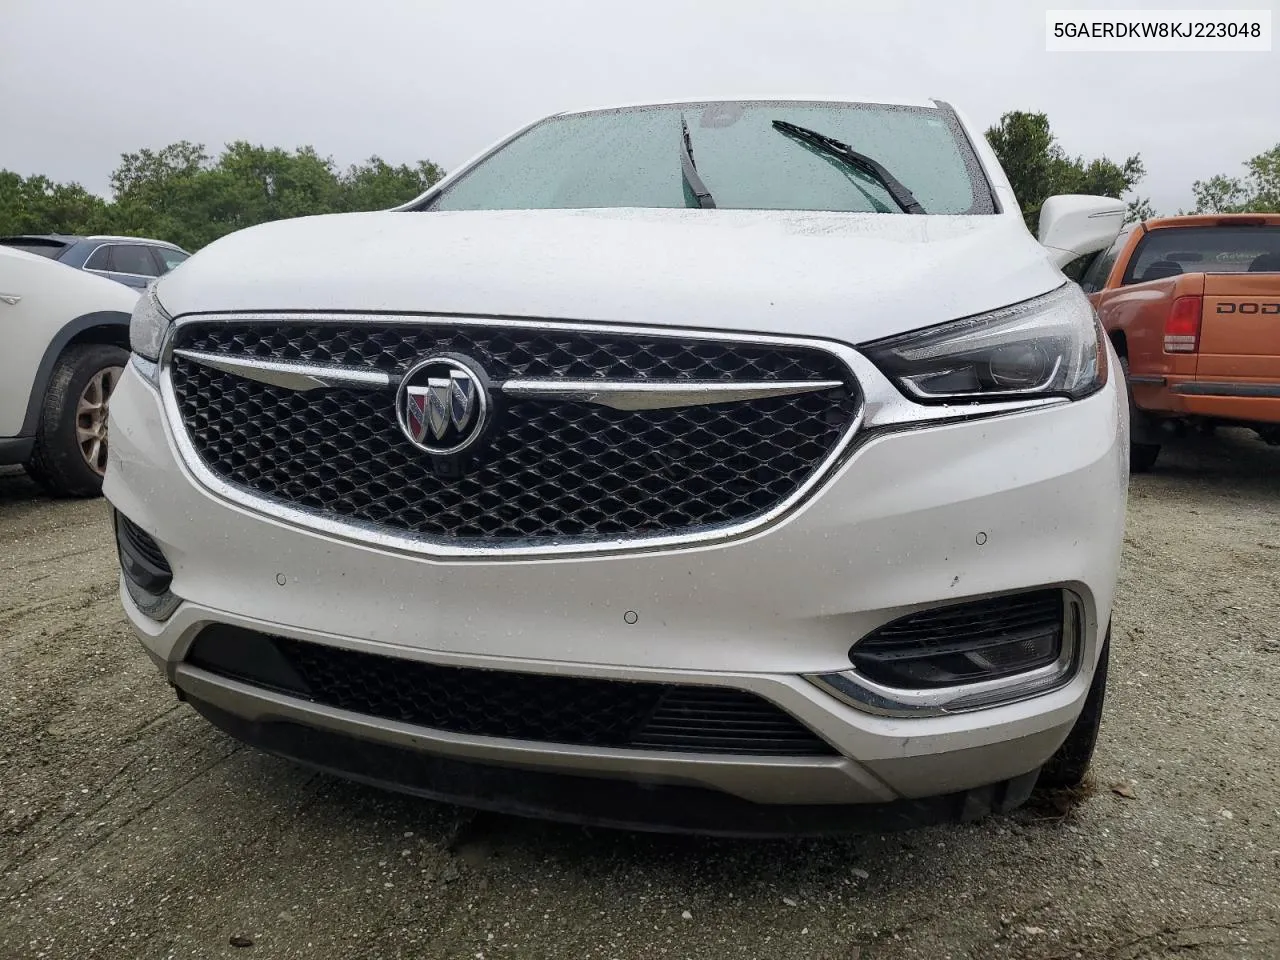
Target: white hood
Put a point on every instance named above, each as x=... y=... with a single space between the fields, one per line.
x=852 y=277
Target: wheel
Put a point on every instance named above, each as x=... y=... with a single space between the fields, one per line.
x=1142 y=456
x=1067 y=767
x=70 y=455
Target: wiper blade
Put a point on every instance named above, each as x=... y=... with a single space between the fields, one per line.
x=852 y=158
x=690 y=172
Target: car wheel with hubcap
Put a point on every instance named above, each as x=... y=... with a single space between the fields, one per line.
x=70 y=456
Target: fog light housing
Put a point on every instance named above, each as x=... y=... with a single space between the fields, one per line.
x=965 y=643
x=964 y=656
x=145 y=570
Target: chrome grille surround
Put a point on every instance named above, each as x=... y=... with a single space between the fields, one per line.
x=382 y=373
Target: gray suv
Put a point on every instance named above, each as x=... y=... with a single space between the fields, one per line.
x=133 y=261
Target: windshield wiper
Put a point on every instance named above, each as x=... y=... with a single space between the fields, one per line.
x=690 y=172
x=852 y=158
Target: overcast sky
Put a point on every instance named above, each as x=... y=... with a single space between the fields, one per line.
x=81 y=82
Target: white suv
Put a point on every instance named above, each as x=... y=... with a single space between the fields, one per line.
x=737 y=467
x=64 y=335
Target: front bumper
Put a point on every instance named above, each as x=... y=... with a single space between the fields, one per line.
x=912 y=519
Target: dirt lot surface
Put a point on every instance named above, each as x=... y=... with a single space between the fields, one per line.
x=129 y=828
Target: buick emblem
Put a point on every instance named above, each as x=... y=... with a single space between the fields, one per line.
x=443 y=404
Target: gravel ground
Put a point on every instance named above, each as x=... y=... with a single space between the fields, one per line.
x=129 y=828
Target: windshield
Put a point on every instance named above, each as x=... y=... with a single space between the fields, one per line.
x=631 y=158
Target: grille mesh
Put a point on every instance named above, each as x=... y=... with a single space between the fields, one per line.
x=522 y=706
x=548 y=469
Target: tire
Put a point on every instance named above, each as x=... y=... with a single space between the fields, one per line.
x=75 y=407
x=1142 y=456
x=1067 y=767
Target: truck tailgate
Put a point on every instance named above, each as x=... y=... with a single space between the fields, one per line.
x=1240 y=327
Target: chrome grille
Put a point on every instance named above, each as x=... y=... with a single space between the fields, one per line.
x=552 y=469
x=507 y=352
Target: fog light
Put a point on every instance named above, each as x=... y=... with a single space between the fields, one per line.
x=147 y=574
x=964 y=643
x=964 y=656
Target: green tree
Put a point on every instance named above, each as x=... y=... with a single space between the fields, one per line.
x=166 y=194
x=1038 y=167
x=182 y=194
x=1140 y=209
x=38 y=205
x=273 y=184
x=376 y=185
x=1256 y=192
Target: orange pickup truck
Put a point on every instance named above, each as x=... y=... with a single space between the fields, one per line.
x=1192 y=305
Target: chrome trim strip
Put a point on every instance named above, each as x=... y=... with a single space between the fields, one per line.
x=659 y=395
x=112 y=274
x=121 y=273
x=145 y=241
x=290 y=376
x=618 y=394
x=883 y=407
x=868 y=696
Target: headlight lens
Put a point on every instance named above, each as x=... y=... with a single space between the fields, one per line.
x=147 y=326
x=1049 y=346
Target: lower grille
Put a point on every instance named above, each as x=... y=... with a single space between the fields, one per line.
x=520 y=706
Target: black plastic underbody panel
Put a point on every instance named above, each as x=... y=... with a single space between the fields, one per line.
x=620 y=804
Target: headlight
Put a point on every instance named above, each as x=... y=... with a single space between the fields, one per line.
x=147 y=326
x=1049 y=346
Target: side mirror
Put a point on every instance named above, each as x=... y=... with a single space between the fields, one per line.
x=1073 y=225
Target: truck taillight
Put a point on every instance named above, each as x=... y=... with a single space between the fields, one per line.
x=1182 y=326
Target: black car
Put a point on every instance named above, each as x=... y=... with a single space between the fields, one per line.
x=133 y=261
